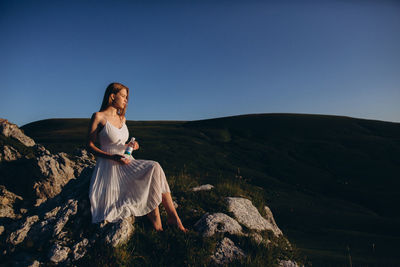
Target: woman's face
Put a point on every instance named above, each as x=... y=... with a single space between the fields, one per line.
x=120 y=99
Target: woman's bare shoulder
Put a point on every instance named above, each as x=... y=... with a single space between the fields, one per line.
x=98 y=117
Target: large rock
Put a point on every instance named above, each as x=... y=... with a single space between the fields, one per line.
x=226 y=252
x=44 y=174
x=9 y=129
x=249 y=216
x=212 y=223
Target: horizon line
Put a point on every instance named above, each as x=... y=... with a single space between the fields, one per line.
x=229 y=116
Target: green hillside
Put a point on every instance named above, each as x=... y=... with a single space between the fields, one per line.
x=332 y=182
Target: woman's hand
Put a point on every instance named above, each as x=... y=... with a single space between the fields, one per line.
x=136 y=146
x=120 y=159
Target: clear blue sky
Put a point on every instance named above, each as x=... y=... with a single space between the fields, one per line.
x=190 y=60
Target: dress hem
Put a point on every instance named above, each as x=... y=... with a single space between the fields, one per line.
x=147 y=211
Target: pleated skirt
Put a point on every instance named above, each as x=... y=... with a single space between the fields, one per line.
x=118 y=191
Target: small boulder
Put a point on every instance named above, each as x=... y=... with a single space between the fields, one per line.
x=58 y=253
x=226 y=252
x=119 y=232
x=209 y=224
x=202 y=187
x=287 y=263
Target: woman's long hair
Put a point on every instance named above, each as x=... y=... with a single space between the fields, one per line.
x=114 y=88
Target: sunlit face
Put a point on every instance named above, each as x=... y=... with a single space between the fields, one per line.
x=121 y=99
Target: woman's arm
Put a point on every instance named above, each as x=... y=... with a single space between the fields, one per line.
x=92 y=135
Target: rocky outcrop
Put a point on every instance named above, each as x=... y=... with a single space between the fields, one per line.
x=56 y=227
x=62 y=226
x=44 y=174
x=9 y=129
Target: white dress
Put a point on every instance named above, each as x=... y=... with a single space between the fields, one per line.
x=118 y=191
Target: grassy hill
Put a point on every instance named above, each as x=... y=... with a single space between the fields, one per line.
x=332 y=182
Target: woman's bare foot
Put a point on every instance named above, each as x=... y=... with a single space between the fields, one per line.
x=178 y=223
x=158 y=228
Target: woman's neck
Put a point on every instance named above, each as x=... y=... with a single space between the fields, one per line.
x=111 y=111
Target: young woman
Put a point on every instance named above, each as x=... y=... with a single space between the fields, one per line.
x=121 y=187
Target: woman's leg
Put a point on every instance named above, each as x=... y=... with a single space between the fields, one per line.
x=155 y=219
x=173 y=217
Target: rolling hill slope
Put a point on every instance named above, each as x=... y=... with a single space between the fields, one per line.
x=332 y=182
